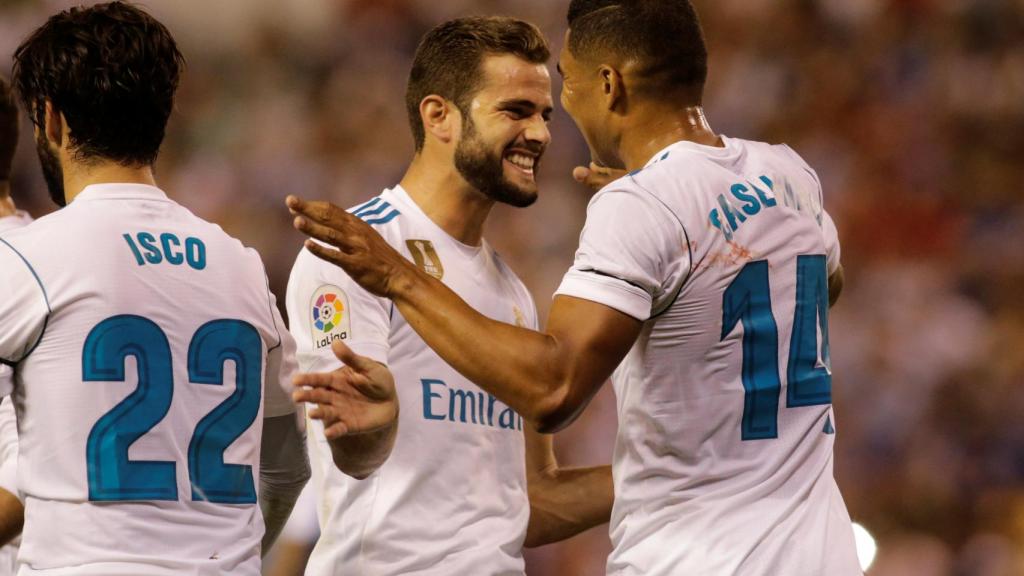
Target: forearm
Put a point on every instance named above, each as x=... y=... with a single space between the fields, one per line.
x=284 y=470
x=521 y=367
x=565 y=502
x=360 y=455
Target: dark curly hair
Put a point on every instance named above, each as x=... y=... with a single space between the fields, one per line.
x=447 y=61
x=112 y=70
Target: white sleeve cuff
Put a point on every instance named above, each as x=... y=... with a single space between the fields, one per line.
x=608 y=290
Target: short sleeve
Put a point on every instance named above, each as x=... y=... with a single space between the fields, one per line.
x=325 y=305
x=281 y=367
x=832 y=252
x=23 y=307
x=633 y=254
x=6 y=380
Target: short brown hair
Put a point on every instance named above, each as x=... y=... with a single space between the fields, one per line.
x=8 y=129
x=447 y=61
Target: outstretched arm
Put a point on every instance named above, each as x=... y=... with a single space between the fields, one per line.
x=563 y=501
x=546 y=377
x=358 y=407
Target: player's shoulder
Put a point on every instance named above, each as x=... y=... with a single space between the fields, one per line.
x=221 y=246
x=385 y=212
x=34 y=240
x=782 y=155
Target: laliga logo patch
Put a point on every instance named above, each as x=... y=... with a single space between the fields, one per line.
x=330 y=316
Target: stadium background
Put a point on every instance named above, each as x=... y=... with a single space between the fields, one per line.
x=912 y=111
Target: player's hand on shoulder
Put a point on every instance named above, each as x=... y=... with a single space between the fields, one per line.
x=358 y=398
x=596 y=177
x=353 y=245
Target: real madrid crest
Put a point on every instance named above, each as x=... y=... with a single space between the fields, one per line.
x=424 y=255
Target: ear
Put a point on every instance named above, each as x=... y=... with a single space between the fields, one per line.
x=53 y=124
x=612 y=86
x=438 y=118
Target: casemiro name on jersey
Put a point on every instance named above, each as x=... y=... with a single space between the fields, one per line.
x=755 y=198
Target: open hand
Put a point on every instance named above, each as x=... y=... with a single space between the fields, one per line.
x=360 y=250
x=596 y=177
x=355 y=399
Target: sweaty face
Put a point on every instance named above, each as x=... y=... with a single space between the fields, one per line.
x=504 y=130
x=53 y=172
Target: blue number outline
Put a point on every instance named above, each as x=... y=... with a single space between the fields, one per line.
x=747 y=301
x=213 y=344
x=112 y=475
x=809 y=384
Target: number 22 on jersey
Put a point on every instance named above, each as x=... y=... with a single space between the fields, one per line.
x=747 y=301
x=112 y=475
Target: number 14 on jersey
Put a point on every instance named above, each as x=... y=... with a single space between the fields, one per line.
x=747 y=301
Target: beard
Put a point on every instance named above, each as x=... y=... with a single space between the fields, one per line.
x=53 y=172
x=485 y=170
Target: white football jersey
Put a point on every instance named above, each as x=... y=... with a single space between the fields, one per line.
x=723 y=460
x=146 y=349
x=9 y=426
x=452 y=497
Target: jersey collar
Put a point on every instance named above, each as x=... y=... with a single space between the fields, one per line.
x=120 y=192
x=713 y=151
x=404 y=198
x=16 y=220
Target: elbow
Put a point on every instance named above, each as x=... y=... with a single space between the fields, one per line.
x=534 y=539
x=556 y=411
x=357 y=470
x=360 y=456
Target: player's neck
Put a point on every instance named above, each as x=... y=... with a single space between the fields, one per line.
x=77 y=176
x=656 y=129
x=448 y=200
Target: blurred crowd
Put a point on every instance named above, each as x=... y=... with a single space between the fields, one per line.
x=912 y=112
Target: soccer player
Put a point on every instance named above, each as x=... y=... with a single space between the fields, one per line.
x=149 y=358
x=704 y=276
x=12 y=511
x=469 y=482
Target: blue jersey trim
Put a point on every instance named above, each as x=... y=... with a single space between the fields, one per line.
x=365 y=205
x=391 y=216
x=270 y=308
x=46 y=298
x=374 y=211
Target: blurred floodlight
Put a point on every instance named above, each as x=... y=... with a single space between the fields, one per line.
x=866 y=547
